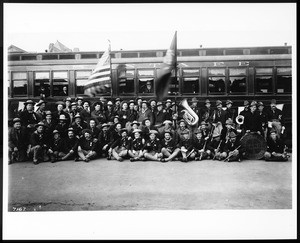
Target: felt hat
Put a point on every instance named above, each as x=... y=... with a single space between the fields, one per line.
x=79 y=98
x=145 y=101
x=137 y=130
x=273 y=102
x=135 y=122
x=41 y=102
x=218 y=102
x=207 y=101
x=194 y=99
x=229 y=121
x=16 y=120
x=153 y=132
x=118 y=99
x=104 y=125
x=73 y=103
x=109 y=103
x=124 y=130
x=60 y=103
x=62 y=117
x=260 y=103
x=55 y=131
x=131 y=101
x=246 y=103
x=71 y=129
x=159 y=103
x=228 y=102
x=48 y=113
x=232 y=135
x=86 y=131
x=167 y=121
x=29 y=102
x=77 y=116
x=68 y=99
x=40 y=124
x=253 y=103
x=169 y=101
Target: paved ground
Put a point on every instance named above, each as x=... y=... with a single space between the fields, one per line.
x=112 y=185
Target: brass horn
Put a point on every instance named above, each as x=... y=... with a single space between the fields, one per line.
x=190 y=117
x=240 y=119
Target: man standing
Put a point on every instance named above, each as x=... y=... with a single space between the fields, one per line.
x=28 y=117
x=17 y=142
x=252 y=121
x=145 y=112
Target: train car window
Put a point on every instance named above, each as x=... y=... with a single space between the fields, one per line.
x=60 y=83
x=264 y=80
x=126 y=82
x=190 y=72
x=146 y=81
x=284 y=80
x=81 y=79
x=146 y=72
x=216 y=85
x=19 y=83
x=174 y=84
x=190 y=85
x=42 y=84
x=237 y=80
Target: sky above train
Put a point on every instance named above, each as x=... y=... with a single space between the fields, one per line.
x=32 y=27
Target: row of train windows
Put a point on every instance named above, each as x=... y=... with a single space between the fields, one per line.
x=236 y=82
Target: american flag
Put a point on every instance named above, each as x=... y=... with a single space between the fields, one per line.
x=100 y=80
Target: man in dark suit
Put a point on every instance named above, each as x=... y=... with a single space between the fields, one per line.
x=17 y=142
x=252 y=121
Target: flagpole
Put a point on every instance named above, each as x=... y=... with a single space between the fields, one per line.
x=109 y=50
x=175 y=68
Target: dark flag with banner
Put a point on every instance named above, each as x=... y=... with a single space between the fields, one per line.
x=164 y=76
x=100 y=80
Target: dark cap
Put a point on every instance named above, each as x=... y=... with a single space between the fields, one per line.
x=16 y=120
x=218 y=102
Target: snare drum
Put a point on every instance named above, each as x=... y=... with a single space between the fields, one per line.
x=255 y=146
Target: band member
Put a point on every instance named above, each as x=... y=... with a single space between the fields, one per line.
x=275 y=118
x=206 y=133
x=79 y=101
x=229 y=127
x=275 y=148
x=152 y=105
x=50 y=124
x=216 y=147
x=168 y=109
x=145 y=112
x=219 y=115
x=134 y=125
x=252 y=121
x=38 y=144
x=147 y=88
x=136 y=146
x=169 y=148
x=194 y=107
x=109 y=113
x=230 y=112
x=62 y=126
x=234 y=149
x=70 y=146
x=55 y=147
x=132 y=115
x=207 y=113
x=246 y=108
x=73 y=111
x=152 y=149
x=146 y=128
x=182 y=128
x=85 y=113
x=167 y=127
x=17 y=142
x=28 y=117
x=117 y=106
x=92 y=125
x=139 y=101
x=104 y=140
x=68 y=102
x=174 y=114
x=123 y=113
x=200 y=146
x=86 y=147
x=263 y=119
x=98 y=113
x=120 y=147
x=40 y=112
x=60 y=111
x=159 y=114
x=186 y=146
x=78 y=126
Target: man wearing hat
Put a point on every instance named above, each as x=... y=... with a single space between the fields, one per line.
x=86 y=147
x=17 y=142
x=98 y=113
x=153 y=107
x=104 y=140
x=219 y=115
x=121 y=146
x=216 y=147
x=55 y=147
x=62 y=126
x=92 y=125
x=78 y=125
x=139 y=101
x=68 y=102
x=275 y=118
x=167 y=127
x=109 y=113
x=79 y=101
x=50 y=124
x=134 y=125
x=206 y=133
x=86 y=112
x=123 y=113
x=168 y=109
x=38 y=144
x=234 y=149
x=73 y=111
x=147 y=127
x=60 y=111
x=200 y=146
x=40 y=112
x=275 y=148
x=169 y=147
x=159 y=114
x=263 y=118
x=28 y=117
x=152 y=149
x=182 y=127
x=229 y=111
x=206 y=114
x=186 y=146
x=246 y=108
x=117 y=106
x=252 y=121
x=229 y=127
x=194 y=107
x=136 y=146
x=145 y=112
x=70 y=146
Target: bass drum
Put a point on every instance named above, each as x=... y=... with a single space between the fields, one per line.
x=255 y=146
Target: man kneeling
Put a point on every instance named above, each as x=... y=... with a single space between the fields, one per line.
x=87 y=146
x=276 y=148
x=169 y=147
x=120 y=147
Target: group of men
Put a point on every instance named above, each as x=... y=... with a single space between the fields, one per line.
x=141 y=130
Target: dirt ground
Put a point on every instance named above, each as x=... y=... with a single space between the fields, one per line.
x=111 y=185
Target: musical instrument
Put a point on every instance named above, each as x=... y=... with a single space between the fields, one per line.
x=240 y=119
x=255 y=145
x=190 y=153
x=231 y=154
x=217 y=149
x=189 y=115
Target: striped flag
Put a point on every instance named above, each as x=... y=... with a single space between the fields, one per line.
x=164 y=75
x=100 y=80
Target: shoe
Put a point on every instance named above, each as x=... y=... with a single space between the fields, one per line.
x=184 y=160
x=76 y=159
x=35 y=162
x=86 y=160
x=143 y=159
x=197 y=158
x=131 y=159
x=175 y=159
x=239 y=160
x=108 y=158
x=163 y=160
x=120 y=159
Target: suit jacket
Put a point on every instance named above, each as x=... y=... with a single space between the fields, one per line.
x=18 y=138
x=142 y=115
x=153 y=145
x=219 y=116
x=276 y=146
x=38 y=139
x=28 y=118
x=252 y=122
x=70 y=144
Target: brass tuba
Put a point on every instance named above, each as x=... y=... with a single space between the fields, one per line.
x=189 y=115
x=240 y=119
